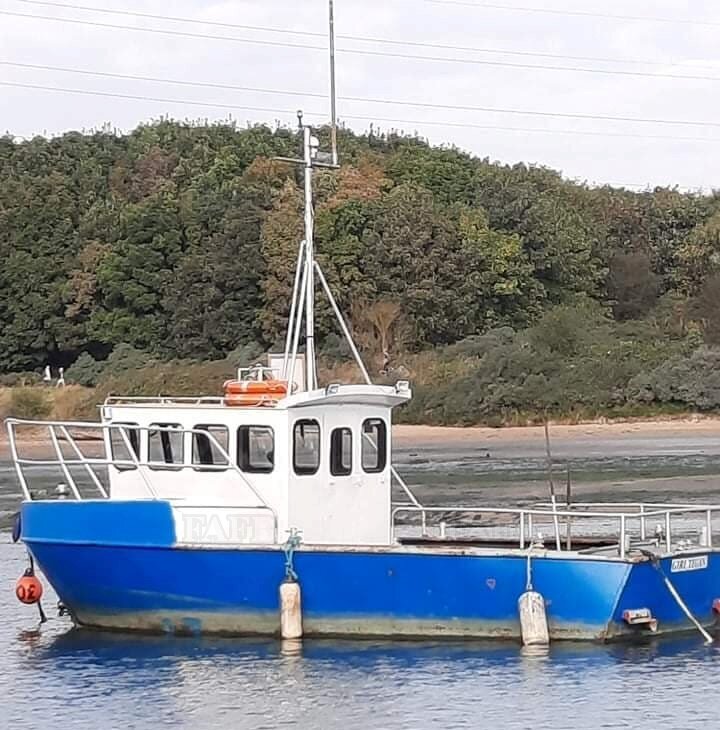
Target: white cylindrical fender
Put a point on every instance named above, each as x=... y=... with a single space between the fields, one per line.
x=290 y=610
x=533 y=619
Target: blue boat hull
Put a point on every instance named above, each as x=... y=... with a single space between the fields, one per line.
x=117 y=566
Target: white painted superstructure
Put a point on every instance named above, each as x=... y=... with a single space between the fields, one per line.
x=318 y=461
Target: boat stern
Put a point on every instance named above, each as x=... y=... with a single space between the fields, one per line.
x=669 y=594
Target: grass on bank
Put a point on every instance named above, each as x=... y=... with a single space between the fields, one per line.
x=76 y=402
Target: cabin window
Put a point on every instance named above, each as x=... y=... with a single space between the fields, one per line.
x=256 y=449
x=341 y=452
x=374 y=445
x=306 y=446
x=165 y=447
x=204 y=449
x=118 y=444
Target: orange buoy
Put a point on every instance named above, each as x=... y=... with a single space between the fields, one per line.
x=254 y=392
x=28 y=589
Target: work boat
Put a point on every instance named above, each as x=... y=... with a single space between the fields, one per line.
x=269 y=510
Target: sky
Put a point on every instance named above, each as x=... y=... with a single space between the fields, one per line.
x=499 y=49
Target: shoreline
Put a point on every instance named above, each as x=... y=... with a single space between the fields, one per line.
x=406 y=436
x=414 y=435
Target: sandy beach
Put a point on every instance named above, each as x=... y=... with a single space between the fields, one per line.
x=574 y=439
x=672 y=428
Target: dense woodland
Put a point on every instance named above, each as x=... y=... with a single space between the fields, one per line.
x=501 y=290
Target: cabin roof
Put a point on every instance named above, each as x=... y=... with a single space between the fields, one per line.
x=384 y=396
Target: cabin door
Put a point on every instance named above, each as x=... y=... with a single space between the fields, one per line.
x=358 y=486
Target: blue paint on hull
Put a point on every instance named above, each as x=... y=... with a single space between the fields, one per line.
x=129 y=574
x=373 y=593
x=645 y=588
x=102 y=522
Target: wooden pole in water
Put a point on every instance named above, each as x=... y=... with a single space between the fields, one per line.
x=551 y=484
x=568 y=501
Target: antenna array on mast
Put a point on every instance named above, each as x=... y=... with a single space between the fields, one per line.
x=303 y=296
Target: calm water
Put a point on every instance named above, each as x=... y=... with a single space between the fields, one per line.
x=56 y=677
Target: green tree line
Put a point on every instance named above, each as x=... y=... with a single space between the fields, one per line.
x=179 y=241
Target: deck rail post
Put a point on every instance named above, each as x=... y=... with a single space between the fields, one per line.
x=708 y=527
x=531 y=526
x=623 y=530
x=63 y=465
x=16 y=460
x=81 y=459
x=668 y=535
x=522 y=529
x=643 y=527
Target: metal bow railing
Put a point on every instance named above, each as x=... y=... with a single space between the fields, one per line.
x=62 y=431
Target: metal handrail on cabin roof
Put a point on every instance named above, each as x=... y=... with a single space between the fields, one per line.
x=113 y=400
x=332 y=389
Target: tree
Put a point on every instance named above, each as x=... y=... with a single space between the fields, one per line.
x=215 y=292
x=133 y=279
x=280 y=239
x=706 y=309
x=181 y=239
x=377 y=329
x=699 y=256
x=632 y=285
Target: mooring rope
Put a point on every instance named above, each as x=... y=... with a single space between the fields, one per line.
x=289 y=548
x=655 y=562
x=528 y=574
x=528 y=581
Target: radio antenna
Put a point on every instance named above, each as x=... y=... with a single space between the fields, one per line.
x=333 y=110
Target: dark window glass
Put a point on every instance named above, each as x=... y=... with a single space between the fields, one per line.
x=165 y=447
x=256 y=449
x=204 y=450
x=374 y=445
x=341 y=452
x=306 y=446
x=118 y=444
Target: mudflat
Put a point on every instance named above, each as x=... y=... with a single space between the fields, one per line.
x=584 y=439
x=672 y=460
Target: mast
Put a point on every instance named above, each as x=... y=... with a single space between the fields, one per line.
x=310 y=147
x=303 y=298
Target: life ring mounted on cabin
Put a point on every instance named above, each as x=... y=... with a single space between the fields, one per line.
x=250 y=393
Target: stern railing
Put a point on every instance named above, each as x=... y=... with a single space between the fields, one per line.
x=623 y=525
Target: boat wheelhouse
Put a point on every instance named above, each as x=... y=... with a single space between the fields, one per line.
x=318 y=460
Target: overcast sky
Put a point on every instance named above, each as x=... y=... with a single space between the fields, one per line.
x=610 y=151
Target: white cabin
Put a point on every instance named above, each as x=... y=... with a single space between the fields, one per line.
x=318 y=462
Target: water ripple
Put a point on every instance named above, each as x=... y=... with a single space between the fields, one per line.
x=87 y=680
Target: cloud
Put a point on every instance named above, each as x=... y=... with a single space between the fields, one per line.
x=677 y=48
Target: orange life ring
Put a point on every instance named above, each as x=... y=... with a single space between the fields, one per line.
x=254 y=392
